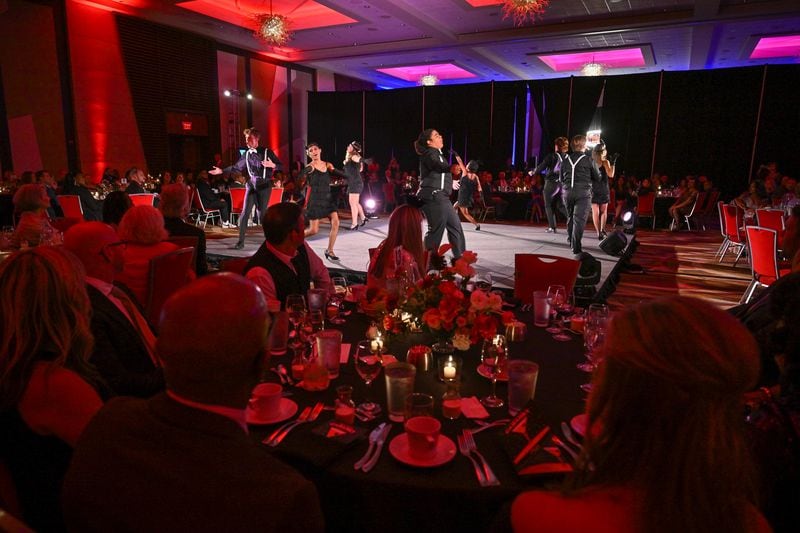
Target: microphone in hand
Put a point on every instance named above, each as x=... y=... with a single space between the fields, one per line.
x=614 y=158
x=454 y=154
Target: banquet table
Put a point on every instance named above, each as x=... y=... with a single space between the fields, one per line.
x=398 y=497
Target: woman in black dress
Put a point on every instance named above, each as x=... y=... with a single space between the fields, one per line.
x=353 y=166
x=469 y=181
x=601 y=194
x=318 y=196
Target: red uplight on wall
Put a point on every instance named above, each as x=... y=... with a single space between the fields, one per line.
x=186 y=125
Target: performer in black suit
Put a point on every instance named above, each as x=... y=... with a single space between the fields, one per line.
x=552 y=181
x=436 y=184
x=578 y=174
x=257 y=166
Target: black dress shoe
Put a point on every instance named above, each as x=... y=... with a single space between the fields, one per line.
x=238 y=245
x=331 y=256
x=363 y=222
x=353 y=228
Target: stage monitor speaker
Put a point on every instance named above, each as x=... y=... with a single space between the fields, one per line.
x=590 y=270
x=614 y=244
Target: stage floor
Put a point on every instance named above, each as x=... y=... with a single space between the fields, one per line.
x=495 y=245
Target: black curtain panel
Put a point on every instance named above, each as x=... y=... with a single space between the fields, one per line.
x=335 y=122
x=394 y=120
x=508 y=124
x=585 y=95
x=553 y=96
x=780 y=118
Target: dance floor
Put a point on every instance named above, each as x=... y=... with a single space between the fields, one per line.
x=495 y=244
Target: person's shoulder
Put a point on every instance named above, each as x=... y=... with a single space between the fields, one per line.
x=543 y=511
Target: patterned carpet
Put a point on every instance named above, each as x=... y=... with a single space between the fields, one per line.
x=682 y=263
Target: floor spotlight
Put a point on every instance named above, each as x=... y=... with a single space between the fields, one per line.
x=371 y=207
x=629 y=222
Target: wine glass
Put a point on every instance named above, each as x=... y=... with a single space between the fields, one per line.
x=493 y=357
x=296 y=309
x=564 y=308
x=316 y=321
x=337 y=298
x=368 y=365
x=483 y=281
x=594 y=335
x=555 y=295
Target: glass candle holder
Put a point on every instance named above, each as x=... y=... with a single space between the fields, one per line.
x=449 y=367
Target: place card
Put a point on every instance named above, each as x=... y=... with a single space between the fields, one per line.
x=473 y=408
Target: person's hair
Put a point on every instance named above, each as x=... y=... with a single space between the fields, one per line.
x=473 y=166
x=356 y=148
x=142 y=224
x=253 y=131
x=421 y=144
x=27 y=177
x=130 y=173
x=405 y=229
x=115 y=206
x=598 y=148
x=39 y=175
x=279 y=220
x=562 y=142
x=174 y=200
x=578 y=140
x=665 y=416
x=30 y=197
x=46 y=316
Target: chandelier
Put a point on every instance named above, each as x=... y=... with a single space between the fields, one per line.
x=522 y=10
x=273 y=29
x=593 y=69
x=428 y=80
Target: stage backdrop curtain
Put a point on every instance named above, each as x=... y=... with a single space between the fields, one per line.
x=394 y=120
x=780 y=117
x=553 y=97
x=334 y=123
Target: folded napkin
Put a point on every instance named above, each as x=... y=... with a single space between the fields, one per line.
x=528 y=443
x=472 y=408
x=314 y=445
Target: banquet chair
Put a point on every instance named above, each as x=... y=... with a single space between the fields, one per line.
x=235 y=265
x=186 y=241
x=168 y=273
x=646 y=207
x=484 y=210
x=535 y=272
x=143 y=199
x=237 y=203
x=732 y=221
x=71 y=205
x=772 y=219
x=703 y=211
x=275 y=196
x=698 y=201
x=204 y=214
x=763 y=259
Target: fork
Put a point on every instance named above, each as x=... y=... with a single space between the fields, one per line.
x=464 y=449
x=315 y=412
x=491 y=478
x=560 y=443
x=304 y=414
x=488 y=425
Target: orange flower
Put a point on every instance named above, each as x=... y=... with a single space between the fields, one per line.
x=432 y=318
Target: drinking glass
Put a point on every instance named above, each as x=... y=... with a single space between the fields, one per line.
x=337 y=298
x=316 y=320
x=493 y=357
x=483 y=281
x=556 y=295
x=564 y=309
x=368 y=366
x=594 y=335
x=296 y=309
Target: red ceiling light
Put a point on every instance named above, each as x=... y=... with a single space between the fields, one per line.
x=521 y=11
x=777 y=46
x=273 y=29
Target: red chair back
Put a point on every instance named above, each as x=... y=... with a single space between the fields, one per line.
x=237 y=200
x=275 y=196
x=645 y=206
x=763 y=253
x=772 y=219
x=71 y=205
x=168 y=273
x=533 y=272
x=143 y=199
x=732 y=216
x=235 y=265
x=186 y=241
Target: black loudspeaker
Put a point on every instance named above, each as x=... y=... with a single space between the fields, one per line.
x=590 y=270
x=614 y=244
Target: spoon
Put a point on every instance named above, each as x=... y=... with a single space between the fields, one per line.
x=285 y=374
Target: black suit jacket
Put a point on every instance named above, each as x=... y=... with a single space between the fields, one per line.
x=92 y=209
x=158 y=465
x=178 y=227
x=134 y=188
x=119 y=352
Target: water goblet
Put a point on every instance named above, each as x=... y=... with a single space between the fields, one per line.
x=368 y=365
x=556 y=295
x=337 y=298
x=296 y=310
x=564 y=309
x=493 y=358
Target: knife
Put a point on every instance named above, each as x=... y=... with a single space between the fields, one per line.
x=373 y=437
x=369 y=465
x=531 y=445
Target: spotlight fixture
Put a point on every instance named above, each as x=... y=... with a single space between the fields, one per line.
x=227 y=92
x=429 y=80
x=521 y=11
x=593 y=69
x=249 y=96
x=629 y=222
x=273 y=29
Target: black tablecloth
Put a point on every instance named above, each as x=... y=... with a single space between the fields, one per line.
x=394 y=496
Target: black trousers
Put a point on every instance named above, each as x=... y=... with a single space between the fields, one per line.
x=578 y=201
x=441 y=215
x=253 y=198
x=552 y=195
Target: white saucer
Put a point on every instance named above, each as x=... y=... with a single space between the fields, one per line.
x=445 y=451
x=484 y=371
x=286 y=410
x=578 y=423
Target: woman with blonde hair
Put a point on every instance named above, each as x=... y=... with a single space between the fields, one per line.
x=353 y=167
x=665 y=446
x=48 y=389
x=31 y=203
x=405 y=233
x=142 y=231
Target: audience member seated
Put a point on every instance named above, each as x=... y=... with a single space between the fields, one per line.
x=75 y=183
x=285 y=264
x=135 y=178
x=791 y=237
x=48 y=389
x=124 y=347
x=755 y=197
x=183 y=461
x=31 y=203
x=665 y=447
x=211 y=200
x=683 y=205
x=404 y=242
x=115 y=206
x=142 y=229
x=45 y=178
x=175 y=207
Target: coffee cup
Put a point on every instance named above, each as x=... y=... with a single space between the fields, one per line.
x=266 y=399
x=423 y=436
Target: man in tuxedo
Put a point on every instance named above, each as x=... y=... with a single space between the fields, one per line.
x=211 y=200
x=175 y=207
x=182 y=460
x=124 y=350
x=256 y=165
x=135 y=178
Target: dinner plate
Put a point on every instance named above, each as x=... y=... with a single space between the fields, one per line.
x=578 y=423
x=286 y=410
x=483 y=370
x=445 y=451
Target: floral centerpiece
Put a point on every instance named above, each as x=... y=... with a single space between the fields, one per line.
x=440 y=304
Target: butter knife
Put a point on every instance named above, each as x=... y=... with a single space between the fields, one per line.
x=370 y=464
x=373 y=437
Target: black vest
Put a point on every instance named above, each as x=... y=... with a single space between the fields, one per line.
x=286 y=282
